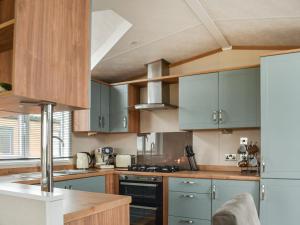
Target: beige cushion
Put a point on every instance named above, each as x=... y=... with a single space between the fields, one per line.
x=239 y=211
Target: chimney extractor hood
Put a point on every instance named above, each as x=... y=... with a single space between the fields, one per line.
x=158 y=91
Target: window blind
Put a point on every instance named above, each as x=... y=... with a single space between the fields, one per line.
x=20 y=136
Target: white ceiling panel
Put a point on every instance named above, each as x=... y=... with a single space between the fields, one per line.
x=174 y=48
x=266 y=32
x=245 y=9
x=151 y=20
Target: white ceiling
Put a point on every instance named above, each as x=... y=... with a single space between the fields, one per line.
x=169 y=29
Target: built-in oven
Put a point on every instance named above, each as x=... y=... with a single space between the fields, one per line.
x=147 y=198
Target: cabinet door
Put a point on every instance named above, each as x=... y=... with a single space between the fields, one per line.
x=239 y=98
x=104 y=108
x=90 y=184
x=280 y=81
x=183 y=220
x=189 y=204
x=226 y=190
x=280 y=203
x=119 y=108
x=198 y=101
x=95 y=107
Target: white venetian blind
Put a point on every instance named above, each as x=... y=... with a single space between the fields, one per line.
x=20 y=136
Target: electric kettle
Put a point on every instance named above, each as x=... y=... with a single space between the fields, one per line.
x=84 y=160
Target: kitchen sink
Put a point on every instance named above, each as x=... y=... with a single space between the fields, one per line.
x=73 y=172
x=37 y=175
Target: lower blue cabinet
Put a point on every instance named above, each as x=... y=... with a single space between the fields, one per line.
x=89 y=184
x=225 y=190
x=191 y=205
x=280 y=202
x=182 y=220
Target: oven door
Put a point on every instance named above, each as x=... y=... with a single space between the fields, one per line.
x=144 y=215
x=143 y=194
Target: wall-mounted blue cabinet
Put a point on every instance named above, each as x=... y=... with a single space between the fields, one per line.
x=99 y=110
x=280 y=105
x=111 y=110
x=89 y=184
x=279 y=202
x=123 y=116
x=119 y=108
x=198 y=101
x=229 y=99
x=239 y=98
x=225 y=190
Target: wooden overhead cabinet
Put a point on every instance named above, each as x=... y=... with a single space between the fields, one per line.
x=44 y=53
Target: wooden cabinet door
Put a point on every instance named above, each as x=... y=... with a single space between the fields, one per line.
x=89 y=184
x=225 y=190
x=239 y=98
x=104 y=108
x=95 y=113
x=280 y=95
x=119 y=108
x=280 y=202
x=198 y=101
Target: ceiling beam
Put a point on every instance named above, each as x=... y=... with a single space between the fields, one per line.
x=201 y=13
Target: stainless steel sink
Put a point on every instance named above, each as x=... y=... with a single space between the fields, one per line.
x=37 y=175
x=73 y=172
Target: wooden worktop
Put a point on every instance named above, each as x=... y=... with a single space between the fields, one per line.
x=220 y=175
x=80 y=204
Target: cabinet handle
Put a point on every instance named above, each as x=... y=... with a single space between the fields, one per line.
x=125 y=122
x=188 y=182
x=186 y=221
x=221 y=119
x=214 y=192
x=263 y=192
x=215 y=116
x=263 y=165
x=188 y=196
x=100 y=121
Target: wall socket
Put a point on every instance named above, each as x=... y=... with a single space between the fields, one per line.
x=243 y=141
x=230 y=157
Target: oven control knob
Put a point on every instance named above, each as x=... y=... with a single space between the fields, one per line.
x=153 y=178
x=125 y=177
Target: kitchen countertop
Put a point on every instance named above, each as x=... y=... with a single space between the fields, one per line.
x=76 y=204
x=221 y=175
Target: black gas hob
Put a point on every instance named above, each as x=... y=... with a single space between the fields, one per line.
x=153 y=168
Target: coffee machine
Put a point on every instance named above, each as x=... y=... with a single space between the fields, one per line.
x=104 y=158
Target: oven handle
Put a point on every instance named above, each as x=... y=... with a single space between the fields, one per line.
x=143 y=207
x=138 y=184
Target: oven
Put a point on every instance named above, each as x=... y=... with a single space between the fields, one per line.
x=147 y=198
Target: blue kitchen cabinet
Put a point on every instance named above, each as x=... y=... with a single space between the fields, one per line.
x=239 y=98
x=95 y=110
x=119 y=108
x=229 y=99
x=99 y=110
x=279 y=202
x=189 y=200
x=225 y=190
x=104 y=107
x=89 y=184
x=198 y=102
x=173 y=220
x=280 y=95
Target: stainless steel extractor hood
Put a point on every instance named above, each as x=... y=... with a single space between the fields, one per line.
x=158 y=91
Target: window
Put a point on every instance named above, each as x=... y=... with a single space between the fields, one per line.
x=20 y=136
